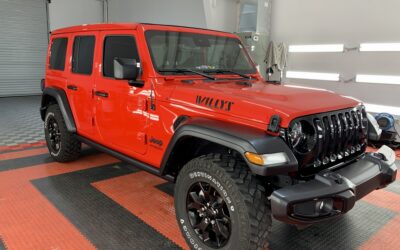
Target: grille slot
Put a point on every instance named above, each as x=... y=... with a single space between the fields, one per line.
x=340 y=136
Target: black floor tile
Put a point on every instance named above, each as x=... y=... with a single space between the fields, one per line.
x=35 y=160
x=104 y=222
x=167 y=188
x=349 y=232
x=20 y=120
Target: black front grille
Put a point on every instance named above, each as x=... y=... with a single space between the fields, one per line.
x=339 y=136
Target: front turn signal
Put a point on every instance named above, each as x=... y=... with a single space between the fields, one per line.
x=254 y=158
x=267 y=159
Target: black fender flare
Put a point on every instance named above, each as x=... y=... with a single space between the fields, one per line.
x=62 y=101
x=236 y=137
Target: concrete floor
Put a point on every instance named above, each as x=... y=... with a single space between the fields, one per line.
x=85 y=204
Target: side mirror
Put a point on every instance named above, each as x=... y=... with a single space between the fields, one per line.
x=127 y=69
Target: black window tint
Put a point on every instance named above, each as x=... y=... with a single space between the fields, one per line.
x=118 y=46
x=83 y=51
x=57 y=53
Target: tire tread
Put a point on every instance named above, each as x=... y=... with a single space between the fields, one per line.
x=253 y=190
x=71 y=147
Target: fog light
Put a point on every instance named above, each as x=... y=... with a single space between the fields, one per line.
x=314 y=208
x=324 y=207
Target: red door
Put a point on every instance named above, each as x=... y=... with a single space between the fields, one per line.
x=121 y=110
x=81 y=81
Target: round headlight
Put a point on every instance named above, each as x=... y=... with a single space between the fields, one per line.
x=296 y=134
x=302 y=136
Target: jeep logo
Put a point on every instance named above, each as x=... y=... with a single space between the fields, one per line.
x=214 y=103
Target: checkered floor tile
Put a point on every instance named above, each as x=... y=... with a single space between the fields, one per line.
x=20 y=121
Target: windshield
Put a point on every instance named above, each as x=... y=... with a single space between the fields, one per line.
x=181 y=50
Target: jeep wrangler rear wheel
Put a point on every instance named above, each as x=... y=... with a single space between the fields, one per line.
x=62 y=145
x=220 y=205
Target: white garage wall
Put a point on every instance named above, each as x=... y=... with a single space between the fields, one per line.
x=175 y=12
x=221 y=14
x=211 y=14
x=64 y=13
x=224 y=14
x=342 y=21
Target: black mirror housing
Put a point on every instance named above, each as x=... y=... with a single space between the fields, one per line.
x=125 y=69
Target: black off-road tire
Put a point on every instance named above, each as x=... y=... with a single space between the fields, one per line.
x=70 y=147
x=244 y=193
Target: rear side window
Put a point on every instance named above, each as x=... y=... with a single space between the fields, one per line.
x=83 y=51
x=57 y=53
x=118 y=46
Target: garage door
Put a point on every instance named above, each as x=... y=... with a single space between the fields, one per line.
x=23 y=42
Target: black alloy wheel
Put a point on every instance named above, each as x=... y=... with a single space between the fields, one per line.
x=63 y=145
x=54 y=134
x=208 y=214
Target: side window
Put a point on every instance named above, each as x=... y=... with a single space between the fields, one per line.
x=118 y=46
x=83 y=52
x=57 y=53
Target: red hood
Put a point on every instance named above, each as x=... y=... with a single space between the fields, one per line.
x=260 y=101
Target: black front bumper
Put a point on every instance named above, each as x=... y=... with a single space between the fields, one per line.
x=340 y=188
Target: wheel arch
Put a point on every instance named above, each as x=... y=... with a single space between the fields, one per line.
x=52 y=95
x=198 y=136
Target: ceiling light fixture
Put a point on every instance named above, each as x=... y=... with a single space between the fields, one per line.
x=375 y=108
x=313 y=75
x=382 y=79
x=380 y=47
x=316 y=48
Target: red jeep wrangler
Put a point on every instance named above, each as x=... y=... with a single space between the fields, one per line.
x=188 y=105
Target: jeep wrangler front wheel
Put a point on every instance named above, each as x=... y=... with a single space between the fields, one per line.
x=220 y=205
x=62 y=145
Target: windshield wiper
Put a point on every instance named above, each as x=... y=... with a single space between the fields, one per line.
x=227 y=71
x=189 y=71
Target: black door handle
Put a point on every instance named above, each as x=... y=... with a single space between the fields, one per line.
x=101 y=94
x=72 y=87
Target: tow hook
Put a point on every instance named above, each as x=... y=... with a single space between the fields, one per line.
x=380 y=156
x=334 y=176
